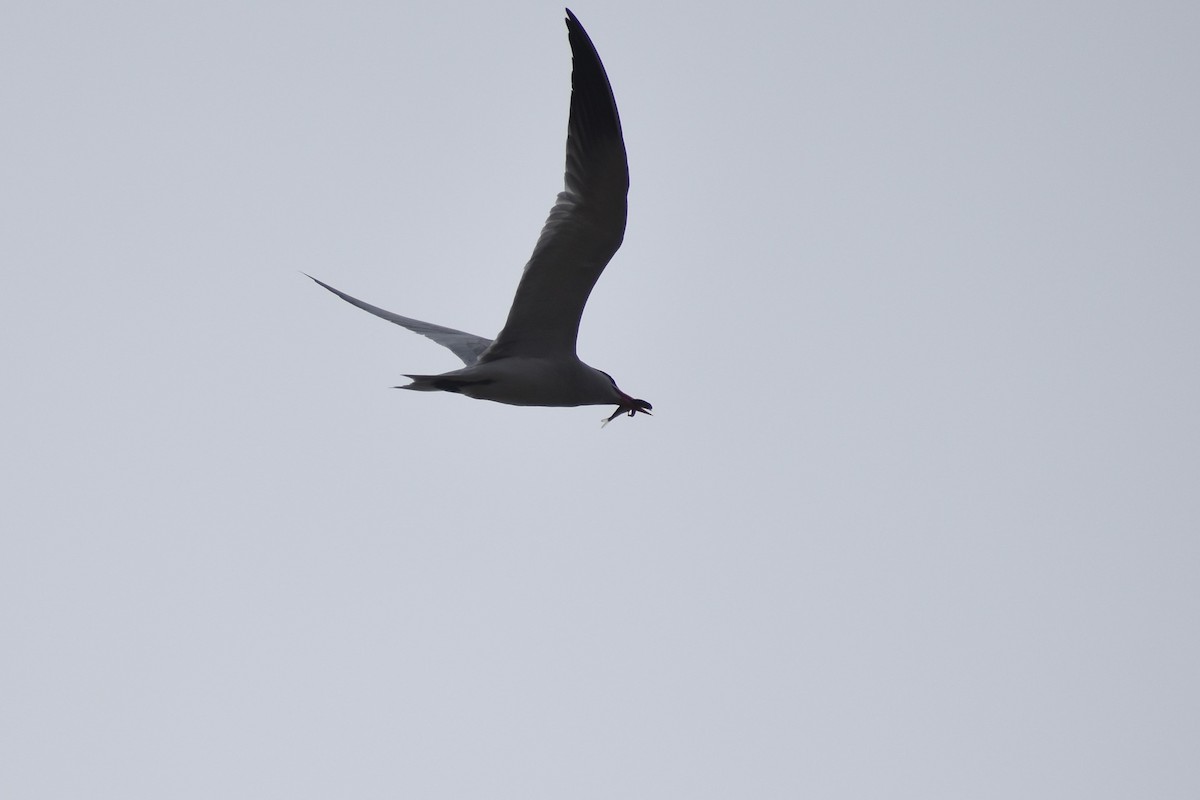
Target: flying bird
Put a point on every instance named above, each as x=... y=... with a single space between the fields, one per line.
x=532 y=361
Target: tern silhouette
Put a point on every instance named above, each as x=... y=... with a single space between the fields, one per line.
x=532 y=361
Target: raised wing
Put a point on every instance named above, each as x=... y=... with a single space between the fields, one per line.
x=585 y=226
x=466 y=346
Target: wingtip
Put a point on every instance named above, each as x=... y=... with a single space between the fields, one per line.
x=320 y=283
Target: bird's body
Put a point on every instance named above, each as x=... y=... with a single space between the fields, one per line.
x=524 y=381
x=532 y=361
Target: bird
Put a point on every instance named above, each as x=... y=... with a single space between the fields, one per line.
x=533 y=360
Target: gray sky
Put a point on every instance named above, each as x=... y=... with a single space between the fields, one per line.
x=913 y=289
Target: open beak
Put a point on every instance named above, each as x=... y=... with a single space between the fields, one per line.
x=630 y=406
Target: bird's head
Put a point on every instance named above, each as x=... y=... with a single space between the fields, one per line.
x=625 y=403
x=630 y=405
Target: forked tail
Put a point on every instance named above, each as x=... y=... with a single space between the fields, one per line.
x=442 y=383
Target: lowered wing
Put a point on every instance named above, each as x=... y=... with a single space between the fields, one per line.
x=467 y=346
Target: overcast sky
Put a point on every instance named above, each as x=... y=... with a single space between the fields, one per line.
x=914 y=289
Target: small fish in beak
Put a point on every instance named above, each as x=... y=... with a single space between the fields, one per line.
x=630 y=406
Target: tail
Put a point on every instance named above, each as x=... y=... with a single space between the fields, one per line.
x=441 y=383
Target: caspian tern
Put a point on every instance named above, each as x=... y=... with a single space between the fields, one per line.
x=532 y=361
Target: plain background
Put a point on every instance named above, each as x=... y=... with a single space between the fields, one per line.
x=913 y=288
